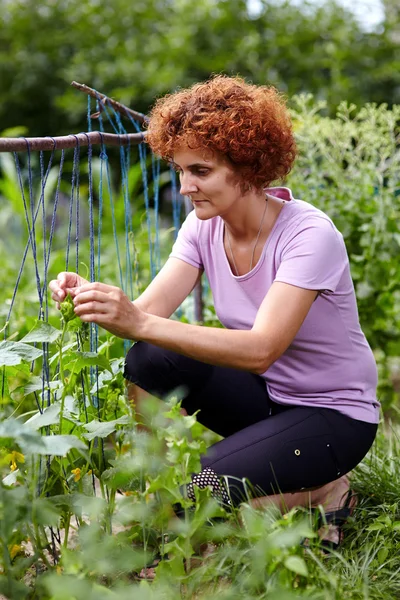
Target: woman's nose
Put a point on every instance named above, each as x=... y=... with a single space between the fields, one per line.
x=188 y=186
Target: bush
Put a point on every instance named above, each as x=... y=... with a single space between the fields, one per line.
x=349 y=167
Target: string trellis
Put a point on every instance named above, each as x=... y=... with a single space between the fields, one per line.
x=69 y=190
x=87 y=201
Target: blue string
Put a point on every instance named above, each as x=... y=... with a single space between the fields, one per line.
x=46 y=252
x=154 y=251
x=31 y=226
x=32 y=242
x=130 y=266
x=104 y=158
x=46 y=258
x=77 y=212
x=89 y=120
x=52 y=226
x=93 y=329
x=28 y=243
x=125 y=161
x=176 y=203
x=74 y=181
x=142 y=157
x=31 y=219
x=155 y=169
x=41 y=202
x=143 y=164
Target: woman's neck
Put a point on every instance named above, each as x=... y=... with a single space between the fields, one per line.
x=247 y=214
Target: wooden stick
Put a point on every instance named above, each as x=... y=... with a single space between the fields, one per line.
x=70 y=141
x=121 y=108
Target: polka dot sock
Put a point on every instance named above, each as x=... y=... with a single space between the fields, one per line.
x=209 y=478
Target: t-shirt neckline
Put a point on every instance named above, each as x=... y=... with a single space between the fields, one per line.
x=258 y=265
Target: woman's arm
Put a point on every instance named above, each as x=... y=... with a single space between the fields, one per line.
x=162 y=297
x=279 y=318
x=169 y=288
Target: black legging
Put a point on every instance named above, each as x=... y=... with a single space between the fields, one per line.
x=276 y=448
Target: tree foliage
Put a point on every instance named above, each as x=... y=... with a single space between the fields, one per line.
x=135 y=51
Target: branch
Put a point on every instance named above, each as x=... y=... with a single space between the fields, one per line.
x=121 y=108
x=70 y=141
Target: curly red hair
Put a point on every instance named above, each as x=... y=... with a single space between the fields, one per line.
x=248 y=124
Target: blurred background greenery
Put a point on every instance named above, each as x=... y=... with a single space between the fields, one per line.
x=135 y=51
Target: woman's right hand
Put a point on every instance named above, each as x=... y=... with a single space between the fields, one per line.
x=66 y=283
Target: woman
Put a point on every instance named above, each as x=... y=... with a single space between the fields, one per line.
x=290 y=382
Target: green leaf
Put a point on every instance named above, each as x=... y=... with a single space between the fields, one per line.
x=297 y=565
x=103 y=429
x=29 y=440
x=375 y=527
x=60 y=445
x=50 y=416
x=94 y=506
x=42 y=332
x=33 y=443
x=13 y=353
x=45 y=512
x=11 y=478
x=80 y=360
x=383 y=554
x=34 y=385
x=62 y=501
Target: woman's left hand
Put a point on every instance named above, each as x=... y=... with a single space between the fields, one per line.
x=110 y=308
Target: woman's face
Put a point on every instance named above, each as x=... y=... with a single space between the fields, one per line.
x=208 y=179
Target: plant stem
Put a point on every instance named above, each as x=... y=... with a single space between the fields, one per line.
x=61 y=366
x=66 y=530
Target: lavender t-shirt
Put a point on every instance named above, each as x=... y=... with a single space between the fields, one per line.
x=329 y=363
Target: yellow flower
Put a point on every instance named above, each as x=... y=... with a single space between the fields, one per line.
x=77 y=474
x=13 y=458
x=15 y=550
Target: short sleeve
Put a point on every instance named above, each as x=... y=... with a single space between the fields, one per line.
x=186 y=246
x=314 y=257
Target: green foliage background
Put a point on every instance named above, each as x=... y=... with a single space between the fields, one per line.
x=135 y=51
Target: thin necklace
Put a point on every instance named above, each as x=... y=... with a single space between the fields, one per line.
x=255 y=243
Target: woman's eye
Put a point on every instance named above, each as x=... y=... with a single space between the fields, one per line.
x=202 y=172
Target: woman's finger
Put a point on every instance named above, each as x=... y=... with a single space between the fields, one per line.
x=90 y=296
x=63 y=277
x=57 y=295
x=91 y=307
x=96 y=285
x=72 y=291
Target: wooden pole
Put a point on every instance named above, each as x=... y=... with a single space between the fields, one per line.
x=121 y=108
x=70 y=141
